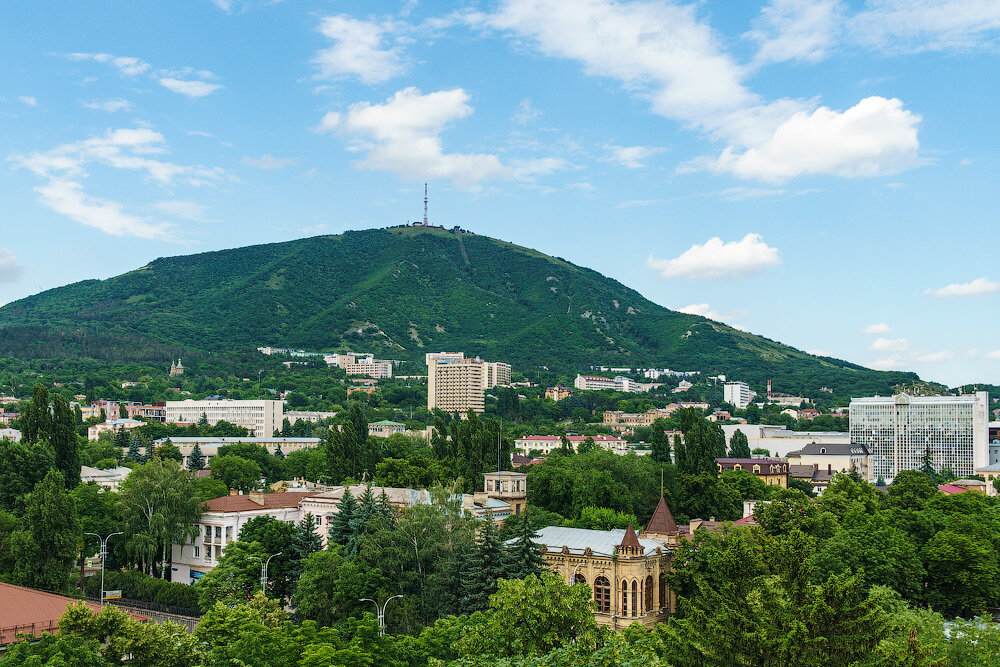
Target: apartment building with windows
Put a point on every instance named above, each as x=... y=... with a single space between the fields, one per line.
x=737 y=394
x=593 y=383
x=460 y=384
x=899 y=430
x=262 y=418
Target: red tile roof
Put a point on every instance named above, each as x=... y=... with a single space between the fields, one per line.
x=242 y=503
x=27 y=611
x=951 y=488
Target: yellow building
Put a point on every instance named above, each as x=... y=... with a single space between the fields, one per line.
x=626 y=572
x=510 y=487
x=772 y=471
x=460 y=384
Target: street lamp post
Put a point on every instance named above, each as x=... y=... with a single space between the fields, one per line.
x=263 y=571
x=103 y=553
x=380 y=612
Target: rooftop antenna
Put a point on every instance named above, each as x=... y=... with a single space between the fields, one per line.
x=425 y=204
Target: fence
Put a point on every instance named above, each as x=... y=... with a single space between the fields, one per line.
x=9 y=634
x=159 y=612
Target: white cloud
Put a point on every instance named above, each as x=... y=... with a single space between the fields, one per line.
x=67 y=197
x=934 y=357
x=796 y=30
x=110 y=106
x=189 y=88
x=993 y=355
x=880 y=328
x=28 y=100
x=633 y=157
x=874 y=137
x=526 y=113
x=183 y=209
x=923 y=25
x=127 y=65
x=716 y=259
x=10 y=270
x=977 y=287
x=402 y=135
x=816 y=352
x=889 y=345
x=665 y=54
x=267 y=161
x=705 y=310
x=358 y=50
x=892 y=363
x=65 y=167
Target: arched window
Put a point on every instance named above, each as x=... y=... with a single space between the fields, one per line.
x=579 y=579
x=737 y=466
x=624 y=597
x=648 y=601
x=663 y=591
x=602 y=594
x=635 y=598
x=756 y=469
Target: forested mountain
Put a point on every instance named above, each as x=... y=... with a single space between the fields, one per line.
x=399 y=293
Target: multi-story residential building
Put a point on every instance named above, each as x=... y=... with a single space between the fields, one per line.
x=443 y=356
x=94 y=432
x=737 y=394
x=460 y=384
x=594 y=383
x=628 y=385
x=7 y=417
x=900 y=430
x=558 y=393
x=209 y=446
x=772 y=471
x=307 y=415
x=546 y=443
x=385 y=428
x=379 y=370
x=261 y=418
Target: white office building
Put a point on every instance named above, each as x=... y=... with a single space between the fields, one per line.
x=262 y=418
x=594 y=383
x=898 y=430
x=737 y=394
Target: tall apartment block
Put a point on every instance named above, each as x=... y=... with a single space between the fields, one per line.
x=898 y=430
x=262 y=418
x=457 y=384
x=737 y=394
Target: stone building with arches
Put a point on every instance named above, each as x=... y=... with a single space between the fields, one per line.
x=625 y=571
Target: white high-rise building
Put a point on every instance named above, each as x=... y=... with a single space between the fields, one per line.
x=898 y=430
x=262 y=418
x=737 y=394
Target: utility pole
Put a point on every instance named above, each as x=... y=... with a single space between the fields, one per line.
x=103 y=553
x=263 y=571
x=380 y=612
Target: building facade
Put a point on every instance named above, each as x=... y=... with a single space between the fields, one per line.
x=737 y=394
x=558 y=393
x=544 y=444
x=627 y=573
x=834 y=458
x=459 y=384
x=900 y=430
x=593 y=383
x=261 y=418
x=209 y=446
x=771 y=471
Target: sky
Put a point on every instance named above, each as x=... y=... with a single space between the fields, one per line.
x=820 y=172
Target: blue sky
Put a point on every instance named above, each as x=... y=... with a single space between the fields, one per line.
x=820 y=172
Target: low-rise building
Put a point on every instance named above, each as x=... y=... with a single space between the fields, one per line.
x=693 y=405
x=210 y=446
x=544 y=444
x=7 y=417
x=307 y=415
x=558 y=393
x=820 y=478
x=618 y=420
x=593 y=383
x=385 y=428
x=626 y=573
x=94 y=432
x=990 y=473
x=835 y=457
x=109 y=479
x=779 y=440
x=771 y=471
x=10 y=434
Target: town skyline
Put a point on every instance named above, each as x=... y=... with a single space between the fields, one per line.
x=816 y=172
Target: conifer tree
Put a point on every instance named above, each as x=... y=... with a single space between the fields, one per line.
x=660 y=442
x=196 y=461
x=278 y=454
x=484 y=567
x=341 y=526
x=739 y=446
x=286 y=427
x=452 y=600
x=133 y=449
x=564 y=444
x=64 y=441
x=523 y=557
x=305 y=541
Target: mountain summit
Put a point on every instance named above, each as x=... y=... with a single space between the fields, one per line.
x=399 y=293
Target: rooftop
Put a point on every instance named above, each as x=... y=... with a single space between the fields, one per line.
x=662 y=522
x=577 y=540
x=243 y=503
x=835 y=449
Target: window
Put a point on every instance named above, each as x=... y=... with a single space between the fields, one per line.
x=602 y=594
x=624 y=598
x=208 y=532
x=648 y=601
x=635 y=598
x=663 y=591
x=579 y=579
x=756 y=470
x=197 y=552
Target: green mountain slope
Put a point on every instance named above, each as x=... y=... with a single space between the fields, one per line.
x=399 y=292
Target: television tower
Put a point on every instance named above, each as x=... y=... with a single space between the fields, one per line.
x=425 y=204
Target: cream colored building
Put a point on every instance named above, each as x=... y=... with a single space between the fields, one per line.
x=459 y=385
x=623 y=421
x=834 y=458
x=94 y=432
x=262 y=418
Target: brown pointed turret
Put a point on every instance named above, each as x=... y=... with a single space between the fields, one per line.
x=662 y=522
x=630 y=544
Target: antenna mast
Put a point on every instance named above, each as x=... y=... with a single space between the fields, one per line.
x=425 y=204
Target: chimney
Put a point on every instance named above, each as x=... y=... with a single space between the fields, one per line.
x=234 y=492
x=829 y=468
x=257 y=497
